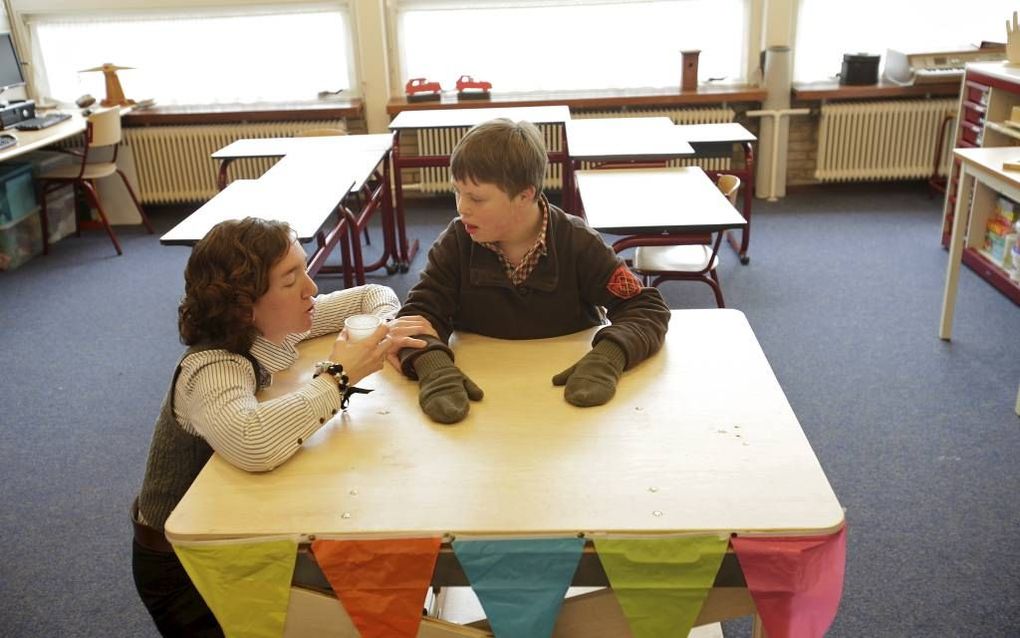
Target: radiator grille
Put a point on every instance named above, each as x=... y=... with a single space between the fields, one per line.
x=442 y=141
x=173 y=162
x=881 y=140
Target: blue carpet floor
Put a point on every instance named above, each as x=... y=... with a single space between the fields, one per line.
x=918 y=436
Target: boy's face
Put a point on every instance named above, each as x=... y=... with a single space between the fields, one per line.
x=489 y=214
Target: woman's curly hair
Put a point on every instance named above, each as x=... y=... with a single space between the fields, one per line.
x=227 y=272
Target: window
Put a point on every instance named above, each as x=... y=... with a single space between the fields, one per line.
x=824 y=34
x=570 y=45
x=255 y=54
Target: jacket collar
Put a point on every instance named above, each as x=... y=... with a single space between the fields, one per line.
x=485 y=269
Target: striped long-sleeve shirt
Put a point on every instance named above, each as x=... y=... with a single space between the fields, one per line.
x=215 y=392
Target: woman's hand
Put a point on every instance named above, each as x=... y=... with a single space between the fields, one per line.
x=361 y=358
x=402 y=332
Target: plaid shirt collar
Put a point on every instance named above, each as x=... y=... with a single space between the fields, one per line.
x=519 y=274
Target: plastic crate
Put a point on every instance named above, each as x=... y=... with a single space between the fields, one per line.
x=20 y=241
x=45 y=161
x=60 y=212
x=17 y=192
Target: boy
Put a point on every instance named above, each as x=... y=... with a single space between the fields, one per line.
x=513 y=266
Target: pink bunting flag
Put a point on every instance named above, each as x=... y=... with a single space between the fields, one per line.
x=381 y=583
x=796 y=582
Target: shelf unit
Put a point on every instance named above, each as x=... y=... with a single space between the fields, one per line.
x=990 y=91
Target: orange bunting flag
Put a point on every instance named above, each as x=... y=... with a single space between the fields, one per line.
x=381 y=583
x=796 y=583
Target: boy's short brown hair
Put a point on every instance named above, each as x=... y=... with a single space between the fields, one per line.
x=509 y=154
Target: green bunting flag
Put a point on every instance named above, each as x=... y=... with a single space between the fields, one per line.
x=246 y=585
x=661 y=583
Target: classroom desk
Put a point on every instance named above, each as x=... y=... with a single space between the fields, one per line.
x=717 y=140
x=306 y=160
x=32 y=140
x=982 y=179
x=308 y=210
x=461 y=118
x=622 y=139
x=673 y=452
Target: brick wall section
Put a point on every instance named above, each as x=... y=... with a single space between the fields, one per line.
x=802 y=149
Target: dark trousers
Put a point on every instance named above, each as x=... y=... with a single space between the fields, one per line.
x=173 y=602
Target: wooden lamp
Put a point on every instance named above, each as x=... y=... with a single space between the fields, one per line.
x=114 y=93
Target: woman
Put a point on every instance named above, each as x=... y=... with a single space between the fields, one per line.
x=247 y=302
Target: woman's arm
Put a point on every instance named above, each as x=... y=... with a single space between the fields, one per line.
x=331 y=309
x=215 y=398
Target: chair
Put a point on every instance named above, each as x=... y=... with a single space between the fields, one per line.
x=669 y=258
x=102 y=129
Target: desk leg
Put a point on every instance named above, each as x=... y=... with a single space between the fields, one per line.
x=963 y=197
x=407 y=252
x=221 y=177
x=748 y=185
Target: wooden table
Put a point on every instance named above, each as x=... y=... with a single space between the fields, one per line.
x=32 y=140
x=982 y=179
x=672 y=452
x=461 y=118
x=717 y=140
x=622 y=139
x=309 y=211
x=333 y=159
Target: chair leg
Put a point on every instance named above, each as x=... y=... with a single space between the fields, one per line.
x=131 y=192
x=77 y=218
x=41 y=195
x=90 y=192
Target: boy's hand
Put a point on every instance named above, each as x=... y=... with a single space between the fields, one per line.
x=592 y=380
x=443 y=390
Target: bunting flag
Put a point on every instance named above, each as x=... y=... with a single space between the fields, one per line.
x=381 y=583
x=796 y=583
x=661 y=583
x=520 y=583
x=246 y=585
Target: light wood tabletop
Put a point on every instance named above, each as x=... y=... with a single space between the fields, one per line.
x=281 y=146
x=32 y=140
x=731 y=132
x=625 y=138
x=306 y=208
x=651 y=201
x=699 y=438
x=451 y=118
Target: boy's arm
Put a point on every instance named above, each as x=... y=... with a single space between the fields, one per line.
x=436 y=297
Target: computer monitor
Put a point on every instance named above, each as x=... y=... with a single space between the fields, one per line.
x=10 y=66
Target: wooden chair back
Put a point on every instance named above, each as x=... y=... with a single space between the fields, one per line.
x=729 y=185
x=104 y=127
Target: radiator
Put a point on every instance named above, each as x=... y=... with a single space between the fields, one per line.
x=881 y=140
x=442 y=141
x=173 y=163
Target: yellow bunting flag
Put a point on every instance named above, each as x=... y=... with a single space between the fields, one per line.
x=246 y=584
x=661 y=583
x=381 y=583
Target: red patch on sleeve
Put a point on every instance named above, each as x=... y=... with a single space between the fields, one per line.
x=623 y=283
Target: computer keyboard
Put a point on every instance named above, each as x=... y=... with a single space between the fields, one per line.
x=46 y=121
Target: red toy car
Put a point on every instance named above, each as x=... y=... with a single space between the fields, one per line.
x=421 y=89
x=467 y=83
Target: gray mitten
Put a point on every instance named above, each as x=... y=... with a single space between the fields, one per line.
x=592 y=380
x=443 y=390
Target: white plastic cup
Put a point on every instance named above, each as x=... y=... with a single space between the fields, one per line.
x=361 y=327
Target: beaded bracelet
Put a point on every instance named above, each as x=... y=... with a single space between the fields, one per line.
x=336 y=371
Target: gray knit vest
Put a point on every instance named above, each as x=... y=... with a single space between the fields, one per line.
x=175 y=456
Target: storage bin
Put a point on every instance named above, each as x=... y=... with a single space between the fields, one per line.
x=46 y=161
x=60 y=212
x=17 y=191
x=20 y=241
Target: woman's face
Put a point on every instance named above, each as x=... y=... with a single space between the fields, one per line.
x=287 y=306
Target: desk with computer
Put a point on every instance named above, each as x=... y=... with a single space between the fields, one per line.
x=23 y=128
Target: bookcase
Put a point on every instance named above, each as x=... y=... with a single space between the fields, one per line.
x=990 y=91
